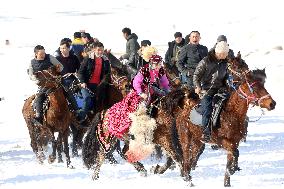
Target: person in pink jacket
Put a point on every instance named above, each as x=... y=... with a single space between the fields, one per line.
x=150 y=82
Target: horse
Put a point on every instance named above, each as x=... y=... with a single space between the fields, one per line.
x=94 y=150
x=231 y=128
x=56 y=118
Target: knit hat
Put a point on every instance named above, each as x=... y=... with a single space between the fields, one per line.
x=178 y=34
x=222 y=47
x=156 y=59
x=221 y=38
x=86 y=35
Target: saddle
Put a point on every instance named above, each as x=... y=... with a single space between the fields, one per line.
x=218 y=101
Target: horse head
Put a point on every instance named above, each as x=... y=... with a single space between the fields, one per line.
x=173 y=75
x=237 y=66
x=120 y=80
x=253 y=90
x=49 y=78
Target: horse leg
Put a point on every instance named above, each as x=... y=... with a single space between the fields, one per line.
x=161 y=169
x=196 y=153
x=232 y=159
x=36 y=145
x=74 y=131
x=99 y=160
x=52 y=156
x=66 y=149
x=137 y=165
x=59 y=147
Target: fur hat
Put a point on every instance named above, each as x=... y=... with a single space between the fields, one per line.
x=222 y=47
x=148 y=52
x=221 y=38
x=156 y=59
x=178 y=34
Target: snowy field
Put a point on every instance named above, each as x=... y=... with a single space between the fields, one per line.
x=252 y=27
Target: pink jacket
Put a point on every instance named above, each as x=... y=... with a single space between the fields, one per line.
x=140 y=87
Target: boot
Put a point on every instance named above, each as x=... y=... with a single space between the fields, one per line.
x=81 y=117
x=206 y=136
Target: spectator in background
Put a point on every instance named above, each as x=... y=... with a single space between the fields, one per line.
x=132 y=47
x=190 y=55
x=174 y=48
x=78 y=46
x=144 y=44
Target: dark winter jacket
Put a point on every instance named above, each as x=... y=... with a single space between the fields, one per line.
x=40 y=65
x=132 y=46
x=173 y=49
x=71 y=63
x=189 y=56
x=87 y=68
x=211 y=74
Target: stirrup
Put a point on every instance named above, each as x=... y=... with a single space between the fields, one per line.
x=205 y=138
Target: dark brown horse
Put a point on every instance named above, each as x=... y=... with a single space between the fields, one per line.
x=164 y=136
x=231 y=130
x=56 y=117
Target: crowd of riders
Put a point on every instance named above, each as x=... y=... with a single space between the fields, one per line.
x=83 y=60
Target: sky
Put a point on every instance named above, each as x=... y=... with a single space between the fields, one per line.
x=252 y=27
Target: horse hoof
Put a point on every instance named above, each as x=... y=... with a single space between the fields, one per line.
x=154 y=169
x=60 y=160
x=51 y=159
x=95 y=177
x=143 y=173
x=70 y=166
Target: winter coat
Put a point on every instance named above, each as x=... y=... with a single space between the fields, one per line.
x=171 y=52
x=88 y=66
x=189 y=56
x=132 y=46
x=211 y=73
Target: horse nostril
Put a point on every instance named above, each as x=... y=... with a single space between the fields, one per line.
x=272 y=105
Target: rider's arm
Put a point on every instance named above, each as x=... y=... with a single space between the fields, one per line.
x=55 y=62
x=137 y=83
x=164 y=83
x=31 y=73
x=198 y=73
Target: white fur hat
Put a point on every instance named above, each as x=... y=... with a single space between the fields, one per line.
x=222 y=47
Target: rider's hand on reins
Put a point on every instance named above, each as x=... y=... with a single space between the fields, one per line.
x=144 y=96
x=83 y=85
x=198 y=90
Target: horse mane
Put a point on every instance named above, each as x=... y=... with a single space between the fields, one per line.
x=175 y=97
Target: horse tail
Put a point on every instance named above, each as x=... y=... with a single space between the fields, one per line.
x=91 y=144
x=175 y=142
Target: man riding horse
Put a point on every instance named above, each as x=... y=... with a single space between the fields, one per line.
x=210 y=78
x=42 y=61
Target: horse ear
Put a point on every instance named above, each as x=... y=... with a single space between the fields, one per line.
x=57 y=68
x=239 y=56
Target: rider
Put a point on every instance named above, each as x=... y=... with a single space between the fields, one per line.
x=42 y=61
x=144 y=90
x=94 y=72
x=151 y=79
x=71 y=66
x=210 y=78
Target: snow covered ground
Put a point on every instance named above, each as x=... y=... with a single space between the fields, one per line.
x=252 y=27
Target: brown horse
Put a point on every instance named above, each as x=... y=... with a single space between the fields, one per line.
x=173 y=75
x=231 y=130
x=56 y=117
x=164 y=135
